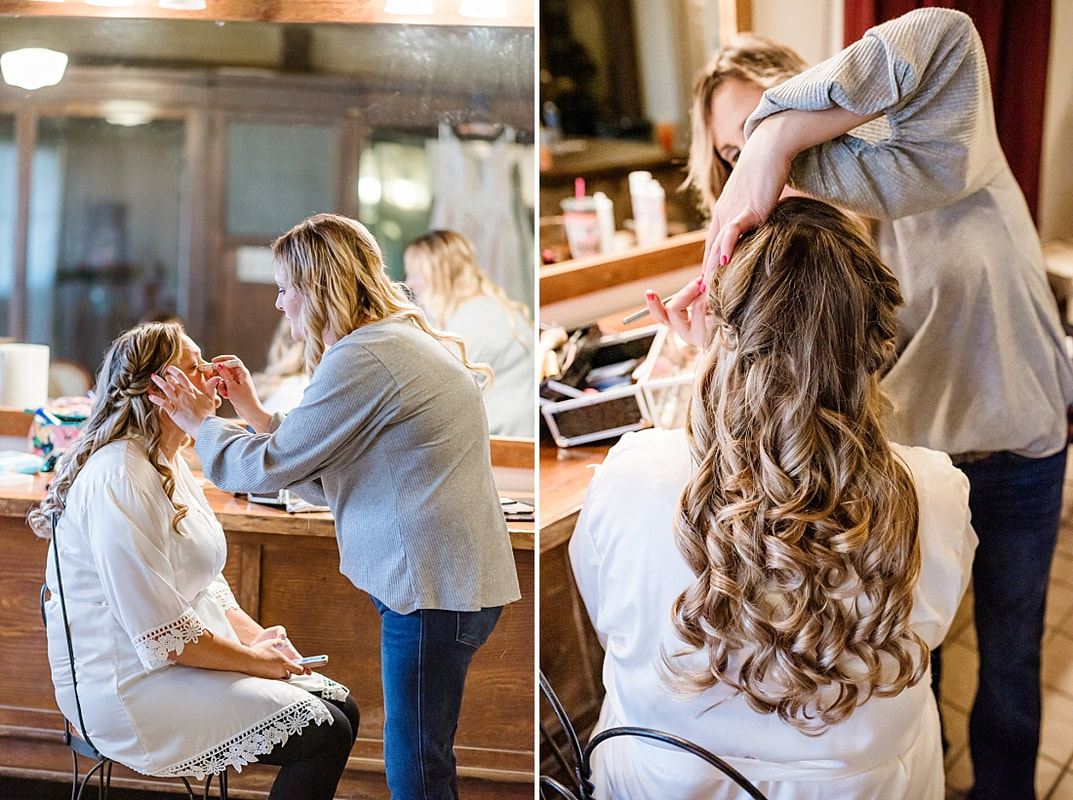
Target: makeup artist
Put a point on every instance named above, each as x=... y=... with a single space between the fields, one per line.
x=391 y=434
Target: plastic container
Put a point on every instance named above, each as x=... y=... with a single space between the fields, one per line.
x=605 y=220
x=582 y=226
x=649 y=210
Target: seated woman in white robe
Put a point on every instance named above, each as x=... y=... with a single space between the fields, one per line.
x=174 y=678
x=768 y=582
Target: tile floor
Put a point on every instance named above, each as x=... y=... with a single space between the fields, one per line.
x=1054 y=770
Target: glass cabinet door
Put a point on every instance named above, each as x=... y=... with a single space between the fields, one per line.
x=103 y=249
x=395 y=193
x=277 y=175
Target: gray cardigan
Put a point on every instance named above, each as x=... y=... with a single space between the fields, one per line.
x=391 y=435
x=982 y=363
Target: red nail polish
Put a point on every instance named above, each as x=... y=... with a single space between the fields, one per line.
x=649 y=294
x=723 y=259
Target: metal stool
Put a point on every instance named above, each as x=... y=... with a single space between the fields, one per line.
x=582 y=767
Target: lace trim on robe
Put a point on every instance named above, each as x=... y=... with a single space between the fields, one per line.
x=225 y=597
x=244 y=748
x=154 y=646
x=331 y=690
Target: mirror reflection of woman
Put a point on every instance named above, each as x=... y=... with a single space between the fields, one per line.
x=458 y=297
x=391 y=435
x=174 y=678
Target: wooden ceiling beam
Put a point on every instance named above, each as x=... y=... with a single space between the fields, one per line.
x=735 y=16
x=520 y=13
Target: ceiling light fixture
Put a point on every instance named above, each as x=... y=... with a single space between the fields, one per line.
x=127 y=113
x=483 y=8
x=183 y=5
x=408 y=8
x=33 y=67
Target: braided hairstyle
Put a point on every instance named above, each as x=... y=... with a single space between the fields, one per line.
x=799 y=521
x=121 y=410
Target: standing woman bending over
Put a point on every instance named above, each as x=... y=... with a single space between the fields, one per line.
x=458 y=297
x=982 y=373
x=767 y=583
x=391 y=435
x=174 y=678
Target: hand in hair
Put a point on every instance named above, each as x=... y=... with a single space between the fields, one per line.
x=759 y=177
x=755 y=184
x=182 y=401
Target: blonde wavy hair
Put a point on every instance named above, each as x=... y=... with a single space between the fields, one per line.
x=121 y=410
x=336 y=266
x=447 y=263
x=799 y=522
x=747 y=57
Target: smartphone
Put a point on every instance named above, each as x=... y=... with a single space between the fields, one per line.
x=312 y=661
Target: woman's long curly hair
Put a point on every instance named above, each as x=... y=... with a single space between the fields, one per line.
x=747 y=57
x=799 y=522
x=447 y=263
x=336 y=266
x=121 y=410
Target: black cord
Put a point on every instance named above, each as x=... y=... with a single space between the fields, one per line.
x=67 y=633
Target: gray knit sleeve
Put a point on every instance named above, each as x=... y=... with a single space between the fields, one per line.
x=351 y=396
x=927 y=73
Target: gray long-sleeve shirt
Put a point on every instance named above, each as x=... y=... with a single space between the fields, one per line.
x=982 y=364
x=391 y=434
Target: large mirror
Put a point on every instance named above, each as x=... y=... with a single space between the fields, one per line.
x=153 y=176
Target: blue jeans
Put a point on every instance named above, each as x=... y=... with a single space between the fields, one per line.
x=424 y=659
x=1016 y=505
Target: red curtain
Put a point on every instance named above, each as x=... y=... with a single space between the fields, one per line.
x=1016 y=37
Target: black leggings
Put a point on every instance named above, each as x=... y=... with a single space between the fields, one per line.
x=312 y=761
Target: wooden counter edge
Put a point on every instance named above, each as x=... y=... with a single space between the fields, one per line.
x=239 y=515
x=582 y=276
x=15 y=421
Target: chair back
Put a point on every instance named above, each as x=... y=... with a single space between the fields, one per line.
x=582 y=769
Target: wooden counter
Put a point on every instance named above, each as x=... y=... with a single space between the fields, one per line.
x=284 y=569
x=574 y=293
x=570 y=654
